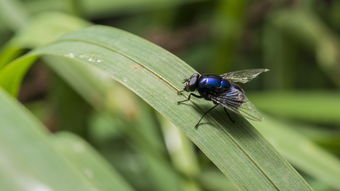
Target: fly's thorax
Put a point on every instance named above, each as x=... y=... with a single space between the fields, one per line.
x=209 y=81
x=213 y=83
x=210 y=85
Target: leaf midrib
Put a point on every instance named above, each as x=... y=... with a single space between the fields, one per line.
x=129 y=58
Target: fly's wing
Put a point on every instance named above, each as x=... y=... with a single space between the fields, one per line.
x=249 y=110
x=243 y=76
x=244 y=107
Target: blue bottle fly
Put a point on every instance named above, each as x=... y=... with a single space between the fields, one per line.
x=222 y=90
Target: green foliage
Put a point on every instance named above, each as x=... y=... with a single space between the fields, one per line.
x=98 y=134
x=34 y=159
x=119 y=55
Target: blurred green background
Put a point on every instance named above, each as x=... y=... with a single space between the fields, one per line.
x=297 y=40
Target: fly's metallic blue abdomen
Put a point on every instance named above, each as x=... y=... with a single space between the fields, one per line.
x=225 y=84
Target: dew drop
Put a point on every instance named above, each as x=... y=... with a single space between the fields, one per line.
x=91 y=58
x=40 y=187
x=70 y=55
x=78 y=147
x=88 y=173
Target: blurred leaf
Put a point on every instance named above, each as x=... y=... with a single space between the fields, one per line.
x=229 y=26
x=140 y=130
x=104 y=8
x=47 y=27
x=28 y=156
x=305 y=27
x=163 y=176
x=13 y=14
x=74 y=118
x=302 y=152
x=182 y=154
x=320 y=186
x=103 y=128
x=326 y=138
x=35 y=7
x=41 y=30
x=320 y=107
x=8 y=53
x=180 y=149
x=87 y=161
x=280 y=56
x=215 y=181
x=123 y=154
x=155 y=75
x=140 y=123
x=155 y=169
x=11 y=77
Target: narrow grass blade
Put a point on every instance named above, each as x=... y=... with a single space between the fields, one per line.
x=308 y=29
x=319 y=107
x=12 y=76
x=302 y=152
x=27 y=155
x=102 y=8
x=40 y=30
x=89 y=163
x=13 y=13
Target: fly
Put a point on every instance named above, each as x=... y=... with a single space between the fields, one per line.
x=222 y=90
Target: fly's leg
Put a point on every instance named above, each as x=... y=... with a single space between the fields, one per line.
x=180 y=92
x=231 y=119
x=205 y=113
x=191 y=94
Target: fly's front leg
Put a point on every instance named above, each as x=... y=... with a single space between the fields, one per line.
x=180 y=92
x=191 y=94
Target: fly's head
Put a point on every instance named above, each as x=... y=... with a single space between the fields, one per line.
x=191 y=83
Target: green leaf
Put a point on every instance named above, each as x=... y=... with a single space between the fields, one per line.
x=13 y=14
x=302 y=152
x=158 y=175
x=102 y=8
x=237 y=149
x=307 y=28
x=180 y=149
x=29 y=161
x=318 y=107
x=40 y=30
x=182 y=154
x=8 y=53
x=213 y=180
x=11 y=77
x=70 y=119
x=47 y=27
x=89 y=163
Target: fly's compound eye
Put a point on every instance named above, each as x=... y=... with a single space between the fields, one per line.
x=192 y=83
